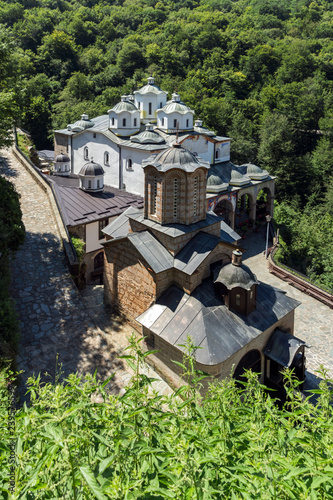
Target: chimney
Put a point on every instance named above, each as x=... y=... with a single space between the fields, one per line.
x=237 y=258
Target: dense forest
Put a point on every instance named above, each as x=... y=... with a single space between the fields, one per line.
x=258 y=71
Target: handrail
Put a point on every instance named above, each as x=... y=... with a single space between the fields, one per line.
x=298 y=280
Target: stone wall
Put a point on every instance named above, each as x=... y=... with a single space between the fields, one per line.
x=60 y=144
x=129 y=286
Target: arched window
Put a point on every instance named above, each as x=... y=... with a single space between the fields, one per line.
x=187 y=122
x=217 y=153
x=161 y=105
x=112 y=121
x=86 y=153
x=134 y=122
x=139 y=105
x=89 y=184
x=124 y=122
x=162 y=122
x=195 y=196
x=175 y=197
x=106 y=158
x=174 y=123
x=129 y=164
x=98 y=183
x=149 y=108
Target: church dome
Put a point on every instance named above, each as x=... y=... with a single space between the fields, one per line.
x=62 y=158
x=255 y=172
x=124 y=105
x=176 y=157
x=233 y=276
x=91 y=169
x=148 y=136
x=216 y=183
x=82 y=124
x=150 y=88
x=237 y=178
x=176 y=105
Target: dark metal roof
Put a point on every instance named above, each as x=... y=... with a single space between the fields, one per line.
x=154 y=253
x=79 y=207
x=119 y=228
x=282 y=347
x=220 y=332
x=195 y=252
x=175 y=230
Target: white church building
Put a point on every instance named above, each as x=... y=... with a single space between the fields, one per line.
x=138 y=126
x=146 y=123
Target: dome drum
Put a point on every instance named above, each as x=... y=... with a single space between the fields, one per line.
x=124 y=117
x=91 y=177
x=62 y=165
x=149 y=99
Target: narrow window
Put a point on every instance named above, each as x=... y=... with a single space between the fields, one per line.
x=112 y=121
x=175 y=198
x=187 y=123
x=217 y=154
x=174 y=123
x=89 y=184
x=162 y=122
x=238 y=299
x=106 y=158
x=94 y=135
x=97 y=183
x=86 y=153
x=161 y=105
x=102 y=225
x=134 y=122
x=251 y=295
x=139 y=105
x=195 y=196
x=124 y=122
x=154 y=195
x=129 y=164
x=149 y=108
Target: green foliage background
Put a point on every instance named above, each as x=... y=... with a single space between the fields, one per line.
x=233 y=444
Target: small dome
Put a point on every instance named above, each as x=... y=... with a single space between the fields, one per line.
x=148 y=136
x=176 y=106
x=237 y=178
x=82 y=124
x=255 y=172
x=233 y=276
x=124 y=105
x=62 y=158
x=91 y=169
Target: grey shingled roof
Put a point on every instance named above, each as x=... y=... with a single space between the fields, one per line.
x=154 y=253
x=195 y=252
x=228 y=234
x=119 y=228
x=282 y=347
x=175 y=230
x=79 y=207
x=219 y=332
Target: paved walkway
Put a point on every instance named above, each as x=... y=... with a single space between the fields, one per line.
x=313 y=320
x=54 y=320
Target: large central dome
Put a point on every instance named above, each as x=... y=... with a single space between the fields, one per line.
x=176 y=157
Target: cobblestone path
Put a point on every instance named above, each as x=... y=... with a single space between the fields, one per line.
x=54 y=320
x=313 y=319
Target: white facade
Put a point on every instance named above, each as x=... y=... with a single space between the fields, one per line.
x=148 y=100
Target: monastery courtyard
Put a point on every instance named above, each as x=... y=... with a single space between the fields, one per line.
x=56 y=318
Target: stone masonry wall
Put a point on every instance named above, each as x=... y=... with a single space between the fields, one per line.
x=60 y=144
x=129 y=286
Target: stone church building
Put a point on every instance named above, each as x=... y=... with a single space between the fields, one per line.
x=173 y=271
